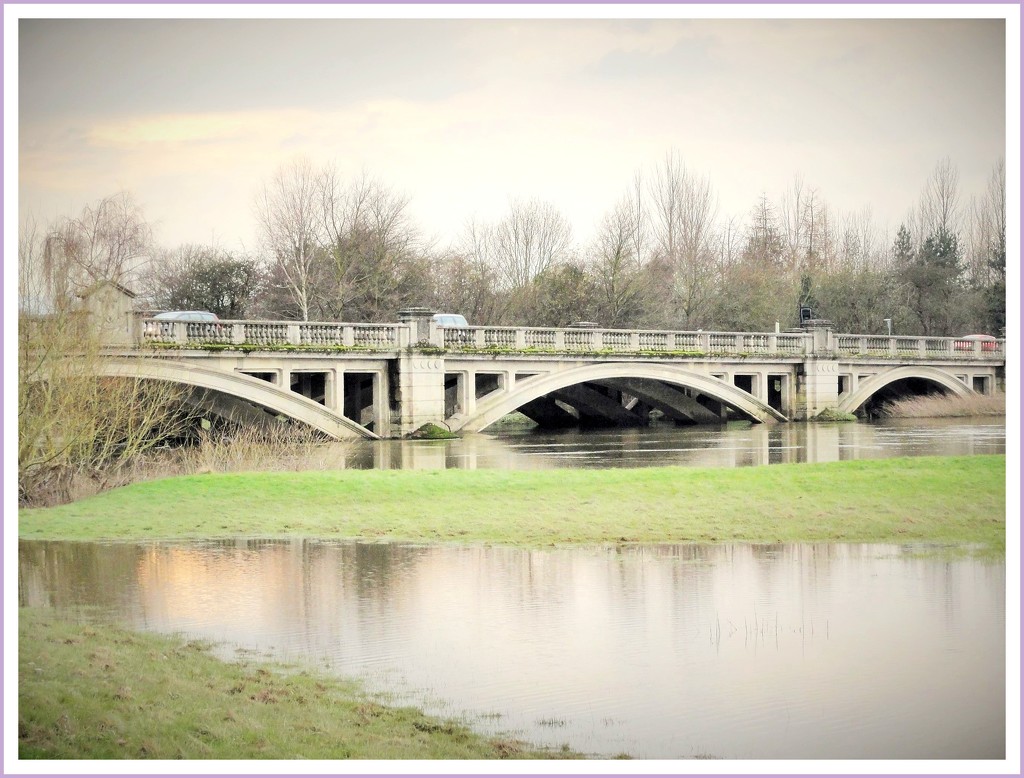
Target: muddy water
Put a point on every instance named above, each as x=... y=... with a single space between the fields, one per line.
x=677 y=651
x=733 y=445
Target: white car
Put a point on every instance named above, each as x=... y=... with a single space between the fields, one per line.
x=197 y=319
x=450 y=320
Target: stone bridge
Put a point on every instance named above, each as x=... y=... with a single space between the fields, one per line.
x=387 y=380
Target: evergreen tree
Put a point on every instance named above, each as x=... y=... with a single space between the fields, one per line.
x=933 y=276
x=995 y=295
x=902 y=248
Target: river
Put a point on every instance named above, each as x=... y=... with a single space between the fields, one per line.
x=738 y=651
x=732 y=445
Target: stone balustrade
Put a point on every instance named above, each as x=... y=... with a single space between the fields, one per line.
x=393 y=337
x=277 y=334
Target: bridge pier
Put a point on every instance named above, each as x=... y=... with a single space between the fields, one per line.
x=420 y=394
x=817 y=387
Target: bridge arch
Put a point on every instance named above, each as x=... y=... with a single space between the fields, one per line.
x=493 y=408
x=245 y=387
x=876 y=383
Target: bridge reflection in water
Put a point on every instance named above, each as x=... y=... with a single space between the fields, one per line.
x=733 y=445
x=387 y=380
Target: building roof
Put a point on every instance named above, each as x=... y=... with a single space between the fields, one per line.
x=89 y=291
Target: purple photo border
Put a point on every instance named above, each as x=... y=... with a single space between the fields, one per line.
x=808 y=4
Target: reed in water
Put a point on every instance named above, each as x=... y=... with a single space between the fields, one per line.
x=946 y=405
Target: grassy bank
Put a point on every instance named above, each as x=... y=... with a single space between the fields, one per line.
x=937 y=499
x=94 y=691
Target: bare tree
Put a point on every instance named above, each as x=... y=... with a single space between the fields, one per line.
x=288 y=210
x=986 y=233
x=808 y=229
x=860 y=243
x=792 y=220
x=617 y=259
x=683 y=210
x=764 y=242
x=109 y=241
x=77 y=430
x=372 y=244
x=818 y=232
x=464 y=285
x=33 y=292
x=531 y=238
x=939 y=209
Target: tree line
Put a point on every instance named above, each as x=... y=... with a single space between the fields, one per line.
x=337 y=250
x=663 y=257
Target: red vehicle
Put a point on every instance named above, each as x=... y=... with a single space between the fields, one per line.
x=966 y=343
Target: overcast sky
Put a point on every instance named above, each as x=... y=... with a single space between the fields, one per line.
x=191 y=116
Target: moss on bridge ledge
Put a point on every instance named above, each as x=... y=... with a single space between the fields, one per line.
x=608 y=352
x=247 y=348
x=430 y=350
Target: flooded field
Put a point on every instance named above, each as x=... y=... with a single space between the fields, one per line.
x=678 y=651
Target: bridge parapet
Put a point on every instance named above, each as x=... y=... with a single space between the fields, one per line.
x=567 y=340
x=378 y=337
x=921 y=347
x=596 y=340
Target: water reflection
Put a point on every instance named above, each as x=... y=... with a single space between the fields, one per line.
x=734 y=445
x=739 y=651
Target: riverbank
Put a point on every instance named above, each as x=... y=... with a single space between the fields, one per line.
x=956 y=500
x=97 y=691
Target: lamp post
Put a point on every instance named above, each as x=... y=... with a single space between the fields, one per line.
x=888 y=323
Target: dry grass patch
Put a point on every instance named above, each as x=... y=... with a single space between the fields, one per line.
x=946 y=405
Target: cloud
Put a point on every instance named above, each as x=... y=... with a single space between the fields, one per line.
x=463 y=115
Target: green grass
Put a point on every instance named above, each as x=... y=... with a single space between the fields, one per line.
x=932 y=499
x=96 y=691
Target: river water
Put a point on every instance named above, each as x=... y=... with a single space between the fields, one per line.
x=830 y=651
x=732 y=445
x=674 y=651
